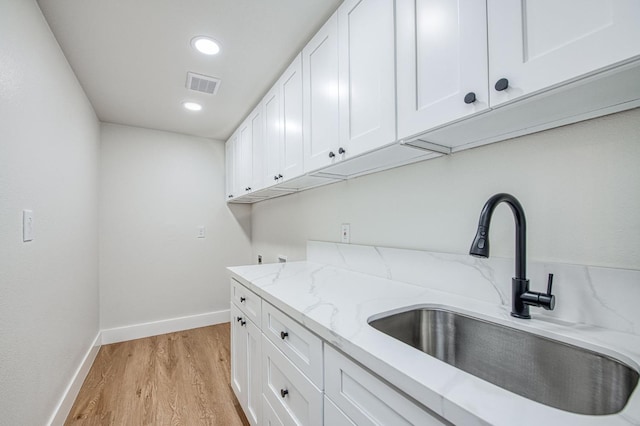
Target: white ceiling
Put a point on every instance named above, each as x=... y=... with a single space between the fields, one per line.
x=132 y=56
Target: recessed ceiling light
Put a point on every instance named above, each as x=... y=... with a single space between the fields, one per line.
x=205 y=45
x=192 y=106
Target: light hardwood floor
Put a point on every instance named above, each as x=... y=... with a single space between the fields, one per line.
x=174 y=379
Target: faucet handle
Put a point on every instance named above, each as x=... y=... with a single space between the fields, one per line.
x=544 y=300
x=548 y=301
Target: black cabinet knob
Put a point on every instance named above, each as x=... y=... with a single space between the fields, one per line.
x=469 y=98
x=248 y=188
x=284 y=392
x=501 y=84
x=242 y=299
x=280 y=176
x=239 y=319
x=275 y=178
x=341 y=150
x=230 y=196
x=283 y=334
x=331 y=154
x=243 y=323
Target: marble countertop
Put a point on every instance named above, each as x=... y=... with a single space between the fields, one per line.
x=336 y=304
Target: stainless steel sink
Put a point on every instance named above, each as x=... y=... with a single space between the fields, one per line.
x=547 y=371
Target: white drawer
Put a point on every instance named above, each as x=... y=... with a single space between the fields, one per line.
x=295 y=400
x=300 y=345
x=333 y=416
x=269 y=416
x=365 y=399
x=248 y=302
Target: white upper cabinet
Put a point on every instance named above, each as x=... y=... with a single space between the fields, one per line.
x=272 y=136
x=442 y=62
x=244 y=158
x=320 y=94
x=536 y=45
x=256 y=121
x=366 y=75
x=292 y=154
x=279 y=142
x=230 y=174
x=249 y=156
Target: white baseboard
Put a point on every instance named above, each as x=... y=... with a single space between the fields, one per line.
x=71 y=392
x=154 y=328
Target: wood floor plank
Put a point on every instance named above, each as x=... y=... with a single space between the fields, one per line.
x=178 y=378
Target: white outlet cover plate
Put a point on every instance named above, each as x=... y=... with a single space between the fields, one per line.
x=345 y=233
x=27 y=225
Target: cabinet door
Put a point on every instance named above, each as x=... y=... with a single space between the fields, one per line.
x=441 y=57
x=272 y=136
x=365 y=399
x=245 y=158
x=253 y=409
x=321 y=102
x=238 y=355
x=229 y=167
x=538 y=44
x=292 y=154
x=367 y=76
x=257 y=148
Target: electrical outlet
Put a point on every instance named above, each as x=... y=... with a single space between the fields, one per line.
x=201 y=231
x=345 y=233
x=27 y=225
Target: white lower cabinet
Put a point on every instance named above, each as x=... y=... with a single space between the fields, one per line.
x=365 y=399
x=285 y=375
x=246 y=377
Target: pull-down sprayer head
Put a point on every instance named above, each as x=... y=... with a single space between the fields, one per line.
x=480 y=245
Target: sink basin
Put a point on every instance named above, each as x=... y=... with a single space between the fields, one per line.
x=544 y=370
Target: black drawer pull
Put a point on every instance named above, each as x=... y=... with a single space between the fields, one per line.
x=284 y=392
x=283 y=334
x=239 y=319
x=242 y=299
x=243 y=323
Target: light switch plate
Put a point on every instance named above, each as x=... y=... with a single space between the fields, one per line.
x=201 y=231
x=27 y=225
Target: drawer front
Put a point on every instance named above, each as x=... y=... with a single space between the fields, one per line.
x=333 y=416
x=293 y=397
x=248 y=302
x=269 y=416
x=300 y=345
x=366 y=400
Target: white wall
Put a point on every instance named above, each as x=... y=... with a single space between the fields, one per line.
x=579 y=185
x=156 y=188
x=49 y=140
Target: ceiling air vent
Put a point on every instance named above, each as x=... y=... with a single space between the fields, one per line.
x=202 y=83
